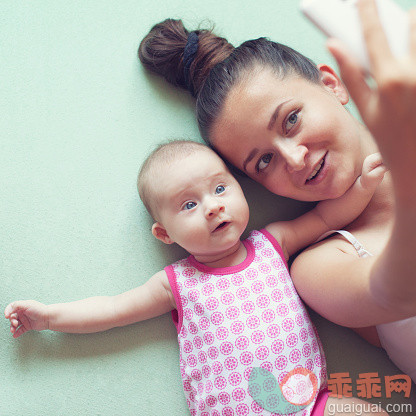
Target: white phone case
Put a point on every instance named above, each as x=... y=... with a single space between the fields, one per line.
x=339 y=19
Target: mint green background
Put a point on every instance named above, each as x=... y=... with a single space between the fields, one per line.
x=78 y=116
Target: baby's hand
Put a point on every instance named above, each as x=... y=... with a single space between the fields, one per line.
x=373 y=172
x=26 y=315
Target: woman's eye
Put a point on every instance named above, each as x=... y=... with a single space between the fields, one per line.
x=291 y=121
x=220 y=189
x=189 y=205
x=264 y=162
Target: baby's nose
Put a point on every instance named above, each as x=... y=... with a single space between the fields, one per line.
x=214 y=208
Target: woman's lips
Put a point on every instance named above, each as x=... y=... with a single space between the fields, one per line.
x=322 y=172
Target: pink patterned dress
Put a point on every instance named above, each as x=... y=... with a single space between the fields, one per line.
x=237 y=326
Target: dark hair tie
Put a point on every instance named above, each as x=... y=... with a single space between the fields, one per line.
x=189 y=54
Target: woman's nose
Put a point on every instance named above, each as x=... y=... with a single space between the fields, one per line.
x=294 y=154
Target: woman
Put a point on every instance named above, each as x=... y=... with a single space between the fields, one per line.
x=281 y=120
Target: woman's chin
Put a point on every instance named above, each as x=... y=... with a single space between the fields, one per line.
x=332 y=192
x=338 y=190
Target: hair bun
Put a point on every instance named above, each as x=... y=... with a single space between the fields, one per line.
x=162 y=52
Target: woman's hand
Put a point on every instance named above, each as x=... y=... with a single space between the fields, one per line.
x=389 y=108
x=26 y=315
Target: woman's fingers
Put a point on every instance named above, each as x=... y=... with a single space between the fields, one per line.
x=412 y=26
x=377 y=44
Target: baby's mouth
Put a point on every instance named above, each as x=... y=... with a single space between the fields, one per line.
x=222 y=225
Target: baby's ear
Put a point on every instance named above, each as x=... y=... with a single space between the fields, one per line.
x=159 y=231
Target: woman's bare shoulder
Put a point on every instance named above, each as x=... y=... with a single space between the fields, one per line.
x=334 y=281
x=334 y=242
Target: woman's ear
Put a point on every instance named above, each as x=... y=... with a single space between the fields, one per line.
x=332 y=81
x=159 y=231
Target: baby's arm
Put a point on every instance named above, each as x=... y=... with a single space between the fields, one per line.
x=94 y=314
x=336 y=213
x=330 y=214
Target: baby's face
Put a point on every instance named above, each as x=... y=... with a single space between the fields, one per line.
x=200 y=204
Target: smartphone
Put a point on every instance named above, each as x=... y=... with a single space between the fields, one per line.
x=340 y=19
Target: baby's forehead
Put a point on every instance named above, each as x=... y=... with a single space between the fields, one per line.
x=189 y=172
x=191 y=161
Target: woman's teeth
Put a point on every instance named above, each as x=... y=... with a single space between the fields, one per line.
x=316 y=170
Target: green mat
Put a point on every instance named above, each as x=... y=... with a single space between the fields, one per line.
x=78 y=116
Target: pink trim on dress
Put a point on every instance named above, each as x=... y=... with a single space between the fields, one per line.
x=276 y=245
x=226 y=270
x=319 y=408
x=177 y=314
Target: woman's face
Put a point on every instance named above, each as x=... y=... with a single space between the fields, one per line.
x=291 y=135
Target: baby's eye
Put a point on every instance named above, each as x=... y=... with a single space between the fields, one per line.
x=291 y=121
x=264 y=162
x=189 y=205
x=220 y=189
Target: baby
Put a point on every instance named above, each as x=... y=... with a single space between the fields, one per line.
x=246 y=342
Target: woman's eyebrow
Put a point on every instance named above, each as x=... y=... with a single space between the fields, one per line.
x=275 y=114
x=250 y=157
x=273 y=119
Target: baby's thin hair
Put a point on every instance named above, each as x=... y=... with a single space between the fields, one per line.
x=163 y=155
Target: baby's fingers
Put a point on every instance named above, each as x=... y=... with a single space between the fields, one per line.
x=8 y=310
x=14 y=320
x=372 y=162
x=11 y=308
x=373 y=171
x=18 y=325
x=16 y=307
x=16 y=332
x=378 y=172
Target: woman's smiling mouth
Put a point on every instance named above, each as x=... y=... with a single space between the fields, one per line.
x=318 y=172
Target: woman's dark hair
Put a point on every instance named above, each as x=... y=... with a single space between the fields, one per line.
x=217 y=66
